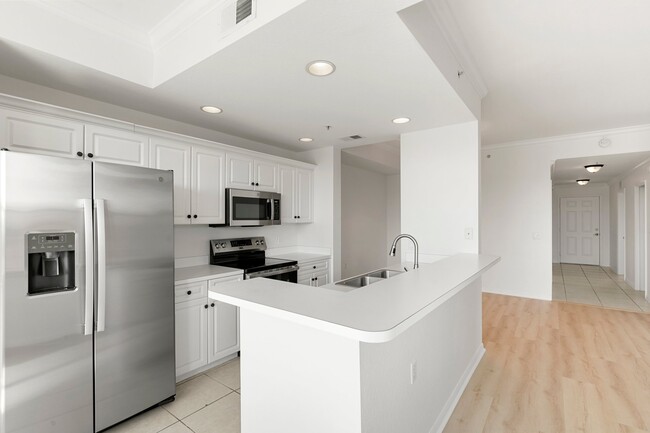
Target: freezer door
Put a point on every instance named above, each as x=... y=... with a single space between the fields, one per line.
x=46 y=365
x=134 y=342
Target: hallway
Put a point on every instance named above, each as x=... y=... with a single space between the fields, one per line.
x=595 y=285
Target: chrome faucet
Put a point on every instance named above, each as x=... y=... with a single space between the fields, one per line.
x=393 y=248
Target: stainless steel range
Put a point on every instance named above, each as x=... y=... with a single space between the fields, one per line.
x=249 y=254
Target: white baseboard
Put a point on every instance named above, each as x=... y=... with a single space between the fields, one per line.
x=449 y=407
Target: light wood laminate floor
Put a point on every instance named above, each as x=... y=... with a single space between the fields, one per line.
x=558 y=367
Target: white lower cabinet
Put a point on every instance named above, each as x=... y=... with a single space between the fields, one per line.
x=206 y=330
x=314 y=273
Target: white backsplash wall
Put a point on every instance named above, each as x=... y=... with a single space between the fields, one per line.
x=192 y=241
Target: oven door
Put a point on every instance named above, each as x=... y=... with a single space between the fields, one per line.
x=288 y=274
x=250 y=208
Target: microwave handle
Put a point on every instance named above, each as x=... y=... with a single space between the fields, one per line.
x=269 y=209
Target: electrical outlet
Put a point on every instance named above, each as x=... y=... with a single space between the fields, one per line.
x=414 y=372
x=469 y=233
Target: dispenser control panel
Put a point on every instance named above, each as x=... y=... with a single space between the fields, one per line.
x=50 y=242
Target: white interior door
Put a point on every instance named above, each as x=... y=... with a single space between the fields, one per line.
x=621 y=233
x=579 y=230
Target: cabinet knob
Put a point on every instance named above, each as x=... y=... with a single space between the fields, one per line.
x=257 y=184
x=80 y=154
x=195 y=216
x=212 y=305
x=252 y=183
x=298 y=216
x=189 y=216
x=189 y=292
x=205 y=306
x=314 y=266
x=90 y=155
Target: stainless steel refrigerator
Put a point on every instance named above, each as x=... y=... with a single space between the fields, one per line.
x=86 y=293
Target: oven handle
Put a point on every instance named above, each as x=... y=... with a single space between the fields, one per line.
x=284 y=270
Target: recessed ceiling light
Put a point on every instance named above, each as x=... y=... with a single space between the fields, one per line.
x=401 y=120
x=320 y=68
x=594 y=168
x=306 y=139
x=582 y=182
x=210 y=109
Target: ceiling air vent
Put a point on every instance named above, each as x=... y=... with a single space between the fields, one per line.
x=352 y=137
x=244 y=10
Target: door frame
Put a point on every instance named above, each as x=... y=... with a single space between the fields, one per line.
x=639 y=243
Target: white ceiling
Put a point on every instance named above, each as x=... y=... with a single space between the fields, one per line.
x=380 y=157
x=567 y=171
x=260 y=80
x=554 y=67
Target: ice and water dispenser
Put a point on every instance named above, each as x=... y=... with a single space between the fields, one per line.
x=50 y=261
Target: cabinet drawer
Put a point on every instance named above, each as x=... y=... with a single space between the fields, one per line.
x=191 y=291
x=314 y=266
x=214 y=282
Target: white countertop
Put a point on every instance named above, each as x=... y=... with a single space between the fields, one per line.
x=374 y=313
x=300 y=256
x=204 y=272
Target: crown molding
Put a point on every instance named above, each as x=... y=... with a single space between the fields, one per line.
x=568 y=137
x=456 y=42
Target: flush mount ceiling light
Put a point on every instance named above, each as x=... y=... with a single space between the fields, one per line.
x=211 y=110
x=582 y=182
x=306 y=139
x=594 y=168
x=320 y=68
x=401 y=120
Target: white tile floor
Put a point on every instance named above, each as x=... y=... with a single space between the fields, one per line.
x=595 y=285
x=206 y=403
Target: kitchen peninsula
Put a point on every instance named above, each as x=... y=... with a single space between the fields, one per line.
x=390 y=356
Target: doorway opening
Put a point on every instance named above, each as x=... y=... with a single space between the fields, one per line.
x=600 y=231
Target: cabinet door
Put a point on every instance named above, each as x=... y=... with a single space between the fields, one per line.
x=191 y=338
x=241 y=172
x=223 y=326
x=170 y=155
x=32 y=133
x=320 y=279
x=208 y=192
x=305 y=195
x=116 y=146
x=287 y=185
x=266 y=176
x=305 y=280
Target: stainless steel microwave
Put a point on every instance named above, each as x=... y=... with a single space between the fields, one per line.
x=252 y=208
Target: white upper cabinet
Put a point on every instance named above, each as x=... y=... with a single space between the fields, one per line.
x=305 y=195
x=176 y=156
x=297 y=188
x=208 y=186
x=117 y=146
x=45 y=135
x=241 y=171
x=199 y=180
x=245 y=172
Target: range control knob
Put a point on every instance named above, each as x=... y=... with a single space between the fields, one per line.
x=262 y=242
x=257 y=242
x=217 y=246
x=223 y=245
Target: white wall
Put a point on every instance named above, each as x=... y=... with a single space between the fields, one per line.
x=600 y=190
x=516 y=204
x=629 y=184
x=440 y=189
x=393 y=225
x=363 y=220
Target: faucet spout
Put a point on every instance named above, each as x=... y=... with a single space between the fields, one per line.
x=393 y=248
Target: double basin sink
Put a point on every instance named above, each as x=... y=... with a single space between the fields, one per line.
x=369 y=278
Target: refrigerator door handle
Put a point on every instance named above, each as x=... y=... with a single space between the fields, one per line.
x=101 y=265
x=90 y=266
